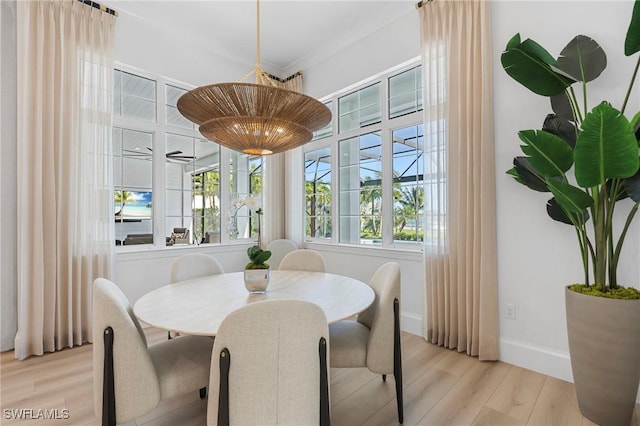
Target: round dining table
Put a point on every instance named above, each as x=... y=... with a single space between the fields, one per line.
x=198 y=306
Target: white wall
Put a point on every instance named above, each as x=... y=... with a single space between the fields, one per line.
x=361 y=263
x=537 y=257
x=392 y=45
x=152 y=48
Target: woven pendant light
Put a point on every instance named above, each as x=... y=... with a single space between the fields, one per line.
x=256 y=119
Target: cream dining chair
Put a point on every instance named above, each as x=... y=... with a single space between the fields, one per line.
x=193 y=265
x=269 y=366
x=129 y=377
x=373 y=340
x=279 y=248
x=303 y=260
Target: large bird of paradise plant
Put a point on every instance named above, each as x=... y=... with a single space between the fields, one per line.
x=587 y=157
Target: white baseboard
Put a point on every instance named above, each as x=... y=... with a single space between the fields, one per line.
x=411 y=323
x=537 y=358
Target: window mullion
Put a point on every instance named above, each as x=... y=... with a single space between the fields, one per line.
x=159 y=172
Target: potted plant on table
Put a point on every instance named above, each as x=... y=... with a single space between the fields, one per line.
x=256 y=272
x=588 y=158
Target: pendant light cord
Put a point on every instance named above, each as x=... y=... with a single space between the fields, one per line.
x=258 y=65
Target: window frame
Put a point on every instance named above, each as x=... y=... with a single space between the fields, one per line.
x=385 y=127
x=159 y=129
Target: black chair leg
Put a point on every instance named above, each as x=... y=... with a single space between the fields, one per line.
x=397 y=359
x=223 y=394
x=325 y=417
x=108 y=384
x=203 y=393
x=169 y=335
x=384 y=377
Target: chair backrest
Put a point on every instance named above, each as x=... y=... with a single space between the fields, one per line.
x=278 y=249
x=137 y=388
x=303 y=260
x=379 y=317
x=194 y=265
x=274 y=374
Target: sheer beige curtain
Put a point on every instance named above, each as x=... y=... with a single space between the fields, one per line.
x=65 y=204
x=275 y=176
x=461 y=280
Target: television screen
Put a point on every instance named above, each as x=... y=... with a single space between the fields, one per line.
x=133 y=204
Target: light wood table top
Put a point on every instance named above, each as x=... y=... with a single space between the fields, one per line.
x=198 y=306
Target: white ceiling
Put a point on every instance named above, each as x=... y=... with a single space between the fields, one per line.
x=294 y=34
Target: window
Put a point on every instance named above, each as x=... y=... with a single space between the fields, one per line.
x=361 y=189
x=172 y=115
x=180 y=201
x=327 y=130
x=317 y=169
x=134 y=96
x=245 y=182
x=379 y=172
x=359 y=109
x=192 y=188
x=408 y=190
x=405 y=92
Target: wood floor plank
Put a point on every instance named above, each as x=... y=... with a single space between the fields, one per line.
x=491 y=417
x=370 y=398
x=468 y=396
x=419 y=397
x=516 y=395
x=554 y=404
x=348 y=383
x=441 y=386
x=420 y=361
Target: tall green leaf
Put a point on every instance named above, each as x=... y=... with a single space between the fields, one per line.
x=632 y=40
x=632 y=187
x=561 y=106
x=524 y=173
x=606 y=147
x=556 y=213
x=572 y=199
x=582 y=59
x=549 y=155
x=530 y=65
x=565 y=129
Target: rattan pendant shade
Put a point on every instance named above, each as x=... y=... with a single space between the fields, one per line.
x=254 y=118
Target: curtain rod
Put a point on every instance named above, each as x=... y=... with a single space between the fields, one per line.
x=421 y=2
x=283 y=80
x=100 y=6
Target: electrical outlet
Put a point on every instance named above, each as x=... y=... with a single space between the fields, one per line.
x=510 y=311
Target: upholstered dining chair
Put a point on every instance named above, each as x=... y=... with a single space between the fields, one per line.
x=302 y=260
x=194 y=265
x=129 y=377
x=279 y=248
x=373 y=340
x=269 y=366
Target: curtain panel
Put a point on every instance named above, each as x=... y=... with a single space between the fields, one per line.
x=461 y=307
x=65 y=198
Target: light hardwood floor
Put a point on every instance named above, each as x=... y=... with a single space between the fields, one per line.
x=441 y=387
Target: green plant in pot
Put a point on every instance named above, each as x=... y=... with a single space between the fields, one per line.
x=257 y=258
x=256 y=272
x=587 y=157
